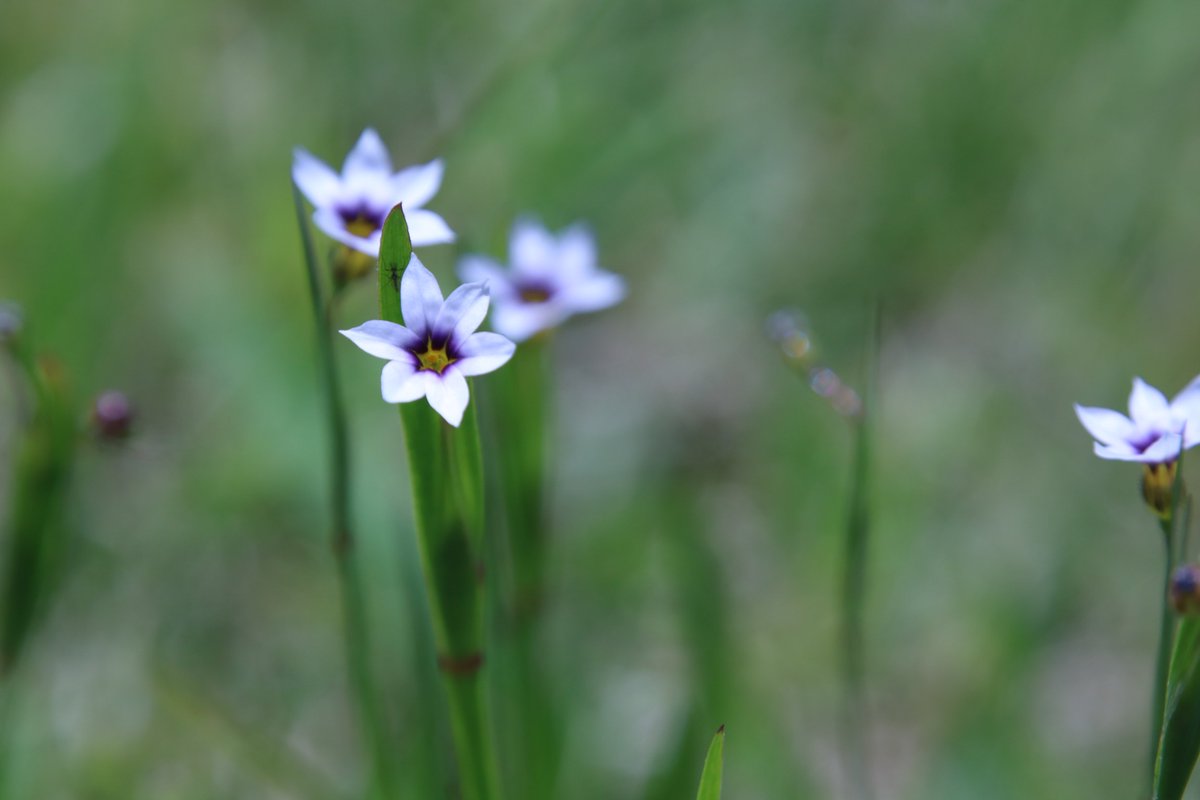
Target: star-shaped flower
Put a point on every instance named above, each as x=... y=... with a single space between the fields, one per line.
x=352 y=206
x=1154 y=432
x=550 y=278
x=436 y=349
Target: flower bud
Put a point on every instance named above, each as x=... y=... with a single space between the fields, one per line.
x=10 y=322
x=349 y=265
x=1158 y=486
x=112 y=416
x=1185 y=589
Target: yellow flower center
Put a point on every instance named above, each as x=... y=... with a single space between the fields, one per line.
x=361 y=226
x=434 y=359
x=535 y=295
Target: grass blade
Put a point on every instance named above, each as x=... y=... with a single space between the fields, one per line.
x=710 y=779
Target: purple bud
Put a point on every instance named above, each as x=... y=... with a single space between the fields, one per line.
x=1185 y=589
x=112 y=416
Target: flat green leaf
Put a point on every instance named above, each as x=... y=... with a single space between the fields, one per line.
x=1179 y=744
x=710 y=779
x=395 y=251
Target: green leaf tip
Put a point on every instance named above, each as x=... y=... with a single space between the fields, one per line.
x=710 y=779
x=395 y=246
x=395 y=251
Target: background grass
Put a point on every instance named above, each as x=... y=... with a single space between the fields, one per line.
x=1016 y=179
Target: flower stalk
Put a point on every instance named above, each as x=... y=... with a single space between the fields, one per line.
x=1163 y=495
x=355 y=628
x=447 y=479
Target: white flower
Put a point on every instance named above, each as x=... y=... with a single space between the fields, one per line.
x=437 y=348
x=550 y=279
x=1154 y=432
x=351 y=207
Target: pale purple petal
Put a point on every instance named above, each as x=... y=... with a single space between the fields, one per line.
x=484 y=352
x=478 y=269
x=319 y=183
x=448 y=394
x=1117 y=452
x=368 y=160
x=532 y=250
x=384 y=339
x=1105 y=425
x=1186 y=408
x=332 y=225
x=416 y=186
x=600 y=290
x=1165 y=449
x=519 y=321
x=420 y=297
x=462 y=312
x=576 y=252
x=425 y=227
x=402 y=382
x=1148 y=405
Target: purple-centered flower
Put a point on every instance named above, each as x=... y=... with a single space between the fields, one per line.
x=549 y=279
x=1154 y=432
x=352 y=206
x=436 y=349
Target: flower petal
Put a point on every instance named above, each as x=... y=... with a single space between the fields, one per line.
x=576 y=251
x=462 y=312
x=420 y=297
x=1105 y=426
x=426 y=227
x=402 y=382
x=1186 y=408
x=518 y=321
x=600 y=290
x=416 y=186
x=1116 y=452
x=384 y=339
x=478 y=269
x=331 y=225
x=448 y=394
x=319 y=183
x=1147 y=405
x=367 y=160
x=484 y=352
x=531 y=249
x=1165 y=449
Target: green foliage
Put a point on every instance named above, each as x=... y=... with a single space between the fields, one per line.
x=1180 y=741
x=35 y=533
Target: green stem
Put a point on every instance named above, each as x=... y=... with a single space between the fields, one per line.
x=446 y=471
x=1166 y=638
x=470 y=723
x=355 y=629
x=854 y=586
x=854 y=722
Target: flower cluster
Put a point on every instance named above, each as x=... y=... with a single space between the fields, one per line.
x=438 y=347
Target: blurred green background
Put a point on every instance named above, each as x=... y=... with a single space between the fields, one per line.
x=1016 y=180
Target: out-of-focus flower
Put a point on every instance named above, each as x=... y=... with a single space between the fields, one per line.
x=112 y=416
x=549 y=279
x=1154 y=432
x=352 y=206
x=10 y=321
x=1184 y=591
x=436 y=349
